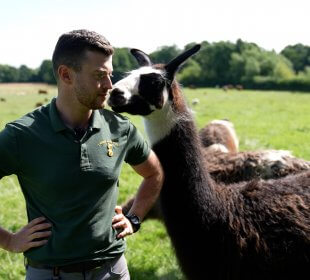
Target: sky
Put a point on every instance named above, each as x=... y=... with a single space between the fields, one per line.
x=29 y=29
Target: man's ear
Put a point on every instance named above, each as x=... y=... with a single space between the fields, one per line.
x=65 y=74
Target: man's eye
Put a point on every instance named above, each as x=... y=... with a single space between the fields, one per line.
x=103 y=75
x=100 y=76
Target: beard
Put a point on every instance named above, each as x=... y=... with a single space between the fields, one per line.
x=90 y=100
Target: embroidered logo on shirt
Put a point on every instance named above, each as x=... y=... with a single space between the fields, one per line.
x=110 y=145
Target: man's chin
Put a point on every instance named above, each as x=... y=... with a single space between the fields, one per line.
x=98 y=107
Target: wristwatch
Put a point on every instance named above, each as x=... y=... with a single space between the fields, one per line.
x=135 y=221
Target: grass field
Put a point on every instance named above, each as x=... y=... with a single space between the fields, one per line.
x=279 y=120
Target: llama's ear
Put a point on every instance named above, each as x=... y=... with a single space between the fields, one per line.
x=142 y=58
x=173 y=66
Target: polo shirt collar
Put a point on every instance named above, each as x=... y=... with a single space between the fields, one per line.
x=57 y=123
x=96 y=120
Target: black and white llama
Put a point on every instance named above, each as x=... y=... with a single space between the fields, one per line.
x=250 y=230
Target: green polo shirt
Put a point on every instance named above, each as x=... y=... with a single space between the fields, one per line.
x=71 y=182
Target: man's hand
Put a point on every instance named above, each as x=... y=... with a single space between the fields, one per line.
x=24 y=239
x=121 y=223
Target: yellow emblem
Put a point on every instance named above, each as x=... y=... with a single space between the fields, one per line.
x=110 y=145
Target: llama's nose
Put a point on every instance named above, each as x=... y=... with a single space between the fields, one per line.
x=116 y=97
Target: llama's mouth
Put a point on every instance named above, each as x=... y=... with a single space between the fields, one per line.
x=116 y=100
x=135 y=106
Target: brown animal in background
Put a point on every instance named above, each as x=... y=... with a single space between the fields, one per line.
x=42 y=91
x=239 y=87
x=2 y=99
x=219 y=135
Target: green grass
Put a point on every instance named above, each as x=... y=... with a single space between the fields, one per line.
x=262 y=120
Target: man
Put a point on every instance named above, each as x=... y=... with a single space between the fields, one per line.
x=67 y=156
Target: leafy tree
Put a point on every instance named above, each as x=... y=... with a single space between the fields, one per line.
x=164 y=54
x=214 y=60
x=26 y=74
x=8 y=74
x=252 y=68
x=45 y=72
x=123 y=62
x=283 y=70
x=236 y=67
x=299 y=55
x=190 y=74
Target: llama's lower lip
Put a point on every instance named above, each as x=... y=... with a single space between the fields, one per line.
x=116 y=100
x=117 y=109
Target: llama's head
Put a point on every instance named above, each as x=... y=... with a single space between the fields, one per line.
x=220 y=135
x=148 y=88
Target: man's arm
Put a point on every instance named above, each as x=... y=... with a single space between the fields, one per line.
x=24 y=239
x=149 y=190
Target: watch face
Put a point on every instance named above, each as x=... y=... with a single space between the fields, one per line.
x=135 y=219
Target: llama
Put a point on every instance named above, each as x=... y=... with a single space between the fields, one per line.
x=250 y=230
x=219 y=135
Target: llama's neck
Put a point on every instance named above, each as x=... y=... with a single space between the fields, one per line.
x=189 y=201
x=156 y=126
x=160 y=123
x=175 y=140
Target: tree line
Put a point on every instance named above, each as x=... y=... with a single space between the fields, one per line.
x=217 y=64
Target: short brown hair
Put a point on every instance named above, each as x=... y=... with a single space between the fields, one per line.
x=71 y=47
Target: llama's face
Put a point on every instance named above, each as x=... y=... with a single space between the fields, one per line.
x=146 y=89
x=140 y=93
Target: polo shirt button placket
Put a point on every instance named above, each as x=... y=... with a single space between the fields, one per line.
x=85 y=164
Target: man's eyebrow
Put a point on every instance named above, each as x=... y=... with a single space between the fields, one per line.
x=103 y=71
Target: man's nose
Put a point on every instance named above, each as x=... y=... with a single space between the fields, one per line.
x=106 y=83
x=109 y=84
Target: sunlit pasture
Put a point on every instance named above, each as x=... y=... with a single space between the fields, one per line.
x=263 y=120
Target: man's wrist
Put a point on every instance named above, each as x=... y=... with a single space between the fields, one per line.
x=135 y=221
x=5 y=239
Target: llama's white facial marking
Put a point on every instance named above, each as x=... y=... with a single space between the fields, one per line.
x=140 y=93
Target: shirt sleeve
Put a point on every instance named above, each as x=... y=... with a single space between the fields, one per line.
x=138 y=148
x=9 y=159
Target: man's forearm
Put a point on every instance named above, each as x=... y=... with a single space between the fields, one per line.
x=148 y=193
x=153 y=177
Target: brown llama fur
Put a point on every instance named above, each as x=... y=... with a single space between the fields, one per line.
x=219 y=135
x=234 y=167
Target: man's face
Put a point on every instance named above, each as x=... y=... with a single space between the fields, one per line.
x=92 y=83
